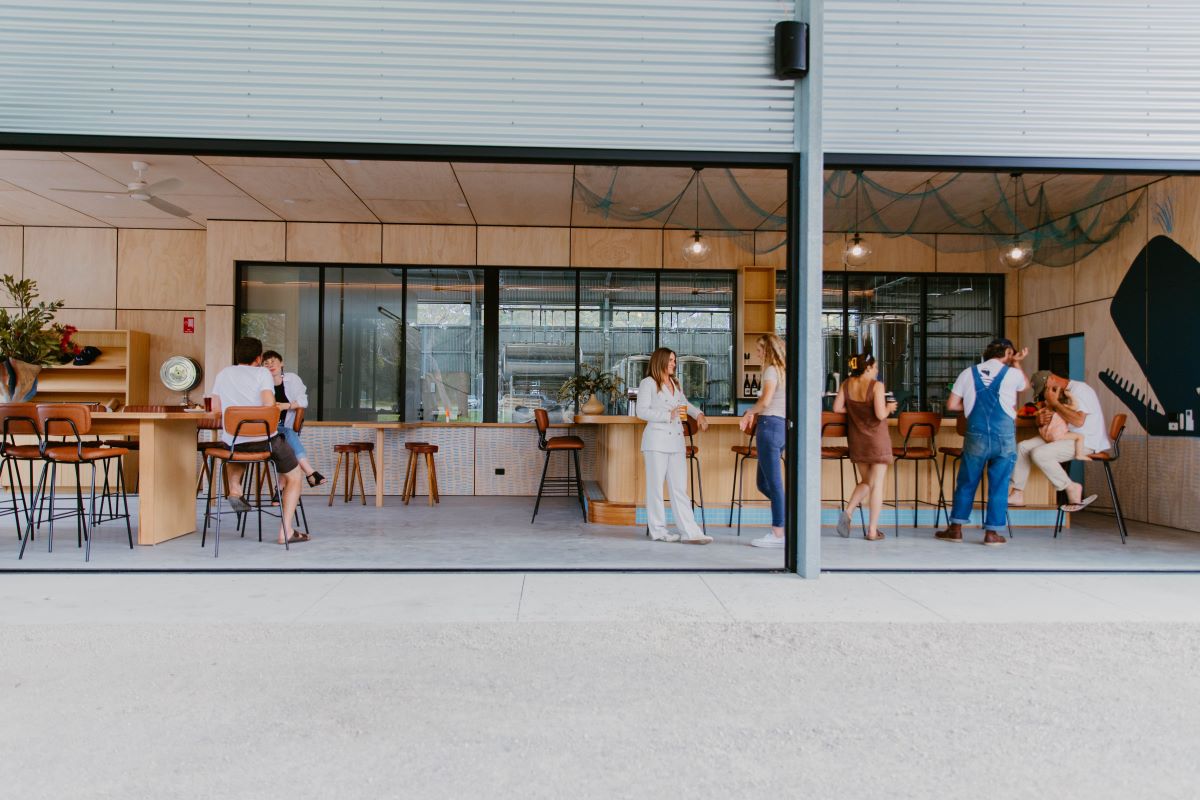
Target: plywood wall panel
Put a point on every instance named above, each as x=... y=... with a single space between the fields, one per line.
x=452 y=245
x=1044 y=288
x=770 y=249
x=159 y=269
x=229 y=242
x=11 y=244
x=616 y=247
x=87 y=318
x=524 y=247
x=78 y=265
x=166 y=339
x=1040 y=326
x=218 y=341
x=729 y=250
x=1098 y=274
x=334 y=242
x=896 y=254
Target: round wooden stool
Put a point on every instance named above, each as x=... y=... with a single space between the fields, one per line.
x=347 y=454
x=415 y=451
x=369 y=449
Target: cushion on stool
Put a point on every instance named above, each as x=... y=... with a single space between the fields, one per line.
x=835 y=452
x=743 y=450
x=564 y=443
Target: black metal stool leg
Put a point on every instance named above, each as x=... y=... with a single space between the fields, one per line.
x=1112 y=492
x=579 y=484
x=541 y=484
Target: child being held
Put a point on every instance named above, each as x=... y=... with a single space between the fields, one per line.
x=1056 y=429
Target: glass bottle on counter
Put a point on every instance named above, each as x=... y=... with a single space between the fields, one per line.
x=746 y=386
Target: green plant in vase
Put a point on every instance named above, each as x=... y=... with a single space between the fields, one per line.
x=29 y=339
x=593 y=383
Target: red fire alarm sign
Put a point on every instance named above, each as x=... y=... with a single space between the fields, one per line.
x=189 y=324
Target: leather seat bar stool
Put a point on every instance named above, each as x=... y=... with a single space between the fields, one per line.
x=415 y=451
x=347 y=455
x=1115 y=431
x=19 y=419
x=690 y=426
x=912 y=425
x=558 y=485
x=741 y=454
x=239 y=422
x=72 y=422
x=833 y=426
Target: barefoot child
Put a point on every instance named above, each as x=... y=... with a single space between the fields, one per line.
x=1056 y=429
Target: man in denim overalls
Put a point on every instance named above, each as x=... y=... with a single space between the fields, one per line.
x=987 y=393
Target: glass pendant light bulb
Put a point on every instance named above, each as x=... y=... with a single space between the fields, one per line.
x=696 y=249
x=857 y=252
x=1016 y=255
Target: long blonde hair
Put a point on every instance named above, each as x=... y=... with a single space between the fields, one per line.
x=774 y=353
x=658 y=367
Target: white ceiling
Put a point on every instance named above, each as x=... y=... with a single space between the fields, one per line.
x=40 y=188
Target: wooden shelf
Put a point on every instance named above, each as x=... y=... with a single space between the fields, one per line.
x=756 y=293
x=120 y=372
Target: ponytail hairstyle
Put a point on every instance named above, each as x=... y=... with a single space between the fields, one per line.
x=860 y=363
x=774 y=354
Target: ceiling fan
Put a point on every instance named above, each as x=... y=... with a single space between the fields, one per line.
x=147 y=193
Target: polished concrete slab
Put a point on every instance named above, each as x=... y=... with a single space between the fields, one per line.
x=485 y=533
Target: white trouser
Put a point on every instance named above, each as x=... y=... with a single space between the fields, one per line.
x=1048 y=456
x=672 y=466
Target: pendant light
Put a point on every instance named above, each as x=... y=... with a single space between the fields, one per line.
x=1016 y=254
x=696 y=249
x=857 y=252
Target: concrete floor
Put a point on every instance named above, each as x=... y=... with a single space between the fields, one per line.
x=495 y=533
x=599 y=685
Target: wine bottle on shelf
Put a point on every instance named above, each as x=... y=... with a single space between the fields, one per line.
x=746 y=386
x=754 y=386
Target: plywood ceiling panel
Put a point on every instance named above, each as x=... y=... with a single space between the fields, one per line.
x=23 y=207
x=296 y=189
x=626 y=197
x=424 y=192
x=517 y=194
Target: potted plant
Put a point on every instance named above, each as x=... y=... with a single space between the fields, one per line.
x=29 y=339
x=593 y=383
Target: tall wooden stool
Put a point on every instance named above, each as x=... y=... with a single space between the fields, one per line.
x=415 y=451
x=690 y=426
x=912 y=425
x=568 y=445
x=347 y=454
x=1115 y=430
x=741 y=454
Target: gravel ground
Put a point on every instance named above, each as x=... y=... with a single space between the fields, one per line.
x=580 y=710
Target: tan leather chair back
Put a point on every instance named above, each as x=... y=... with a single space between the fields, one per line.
x=251 y=420
x=65 y=419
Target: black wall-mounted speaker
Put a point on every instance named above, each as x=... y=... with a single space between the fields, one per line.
x=791 y=50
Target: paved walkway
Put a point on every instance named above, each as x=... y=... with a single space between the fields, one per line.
x=599 y=685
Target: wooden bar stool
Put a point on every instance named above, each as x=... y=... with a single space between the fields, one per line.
x=1115 y=430
x=558 y=485
x=690 y=426
x=912 y=425
x=73 y=422
x=369 y=449
x=741 y=454
x=415 y=451
x=347 y=454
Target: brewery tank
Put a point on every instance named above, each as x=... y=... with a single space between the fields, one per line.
x=887 y=337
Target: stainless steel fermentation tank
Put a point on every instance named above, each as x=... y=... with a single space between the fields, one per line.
x=887 y=338
x=691 y=370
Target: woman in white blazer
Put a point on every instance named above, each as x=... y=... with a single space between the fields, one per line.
x=661 y=402
x=290 y=394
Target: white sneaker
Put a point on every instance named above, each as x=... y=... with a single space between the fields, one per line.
x=666 y=537
x=770 y=540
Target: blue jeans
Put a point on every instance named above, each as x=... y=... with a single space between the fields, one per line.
x=771 y=434
x=293 y=438
x=997 y=454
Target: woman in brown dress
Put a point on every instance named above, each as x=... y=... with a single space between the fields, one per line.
x=862 y=399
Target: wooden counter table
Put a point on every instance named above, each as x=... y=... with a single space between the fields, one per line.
x=620 y=471
x=166 y=468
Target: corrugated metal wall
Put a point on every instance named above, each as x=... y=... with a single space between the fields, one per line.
x=1068 y=78
x=676 y=74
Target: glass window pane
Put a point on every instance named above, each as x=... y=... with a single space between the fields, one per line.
x=537 y=343
x=444 y=345
x=280 y=306
x=616 y=325
x=696 y=321
x=884 y=318
x=964 y=314
x=362 y=343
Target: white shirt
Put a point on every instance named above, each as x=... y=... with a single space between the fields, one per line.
x=778 y=407
x=660 y=409
x=1095 y=437
x=1014 y=383
x=242 y=385
x=296 y=393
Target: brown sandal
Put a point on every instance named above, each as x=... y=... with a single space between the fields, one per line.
x=878 y=535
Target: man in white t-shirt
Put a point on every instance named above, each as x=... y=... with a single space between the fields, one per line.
x=246 y=383
x=987 y=395
x=1084 y=417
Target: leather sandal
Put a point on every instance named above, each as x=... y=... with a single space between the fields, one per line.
x=315 y=479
